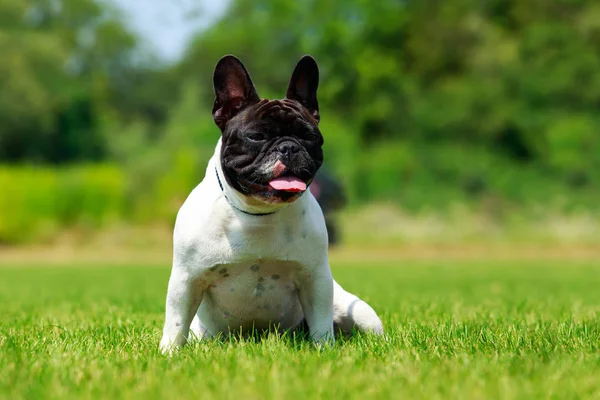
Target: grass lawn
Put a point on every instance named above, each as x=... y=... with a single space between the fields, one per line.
x=454 y=330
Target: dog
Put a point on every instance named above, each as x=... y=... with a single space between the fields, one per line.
x=250 y=242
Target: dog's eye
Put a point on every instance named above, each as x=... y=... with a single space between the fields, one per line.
x=311 y=137
x=257 y=137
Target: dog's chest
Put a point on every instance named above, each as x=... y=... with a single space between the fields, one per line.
x=265 y=237
x=252 y=294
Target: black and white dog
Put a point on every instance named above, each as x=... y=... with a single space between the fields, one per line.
x=250 y=244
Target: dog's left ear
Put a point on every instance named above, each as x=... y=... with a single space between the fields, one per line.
x=304 y=84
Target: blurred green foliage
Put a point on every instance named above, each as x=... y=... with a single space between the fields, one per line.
x=423 y=103
x=38 y=203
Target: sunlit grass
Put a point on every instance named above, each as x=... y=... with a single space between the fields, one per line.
x=454 y=330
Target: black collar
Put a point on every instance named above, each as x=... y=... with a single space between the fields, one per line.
x=231 y=204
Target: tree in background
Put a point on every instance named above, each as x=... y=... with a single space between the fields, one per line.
x=491 y=82
x=479 y=97
x=62 y=64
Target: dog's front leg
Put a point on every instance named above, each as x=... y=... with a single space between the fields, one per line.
x=184 y=296
x=316 y=298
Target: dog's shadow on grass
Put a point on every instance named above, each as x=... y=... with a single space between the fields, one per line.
x=296 y=339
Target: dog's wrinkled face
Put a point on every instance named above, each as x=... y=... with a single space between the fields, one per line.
x=271 y=150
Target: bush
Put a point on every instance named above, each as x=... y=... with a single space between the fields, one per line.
x=36 y=203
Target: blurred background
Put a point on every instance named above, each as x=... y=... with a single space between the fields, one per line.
x=456 y=121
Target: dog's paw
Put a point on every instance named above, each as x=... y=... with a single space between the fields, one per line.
x=323 y=341
x=373 y=327
x=169 y=346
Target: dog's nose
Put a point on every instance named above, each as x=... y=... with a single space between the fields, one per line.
x=288 y=148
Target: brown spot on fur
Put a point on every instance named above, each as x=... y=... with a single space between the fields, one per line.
x=279 y=168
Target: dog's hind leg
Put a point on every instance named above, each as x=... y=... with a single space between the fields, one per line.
x=351 y=313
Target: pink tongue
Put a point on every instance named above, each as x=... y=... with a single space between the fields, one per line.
x=288 y=183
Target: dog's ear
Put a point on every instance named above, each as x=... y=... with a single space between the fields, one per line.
x=233 y=88
x=304 y=83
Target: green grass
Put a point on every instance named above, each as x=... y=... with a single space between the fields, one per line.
x=454 y=330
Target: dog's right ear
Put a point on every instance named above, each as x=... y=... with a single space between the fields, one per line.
x=233 y=88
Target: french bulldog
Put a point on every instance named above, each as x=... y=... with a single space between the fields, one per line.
x=250 y=242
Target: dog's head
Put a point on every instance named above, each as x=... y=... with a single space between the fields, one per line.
x=271 y=149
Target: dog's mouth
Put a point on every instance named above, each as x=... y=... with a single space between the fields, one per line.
x=286 y=188
x=284 y=180
x=291 y=184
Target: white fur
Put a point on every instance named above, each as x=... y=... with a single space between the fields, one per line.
x=233 y=271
